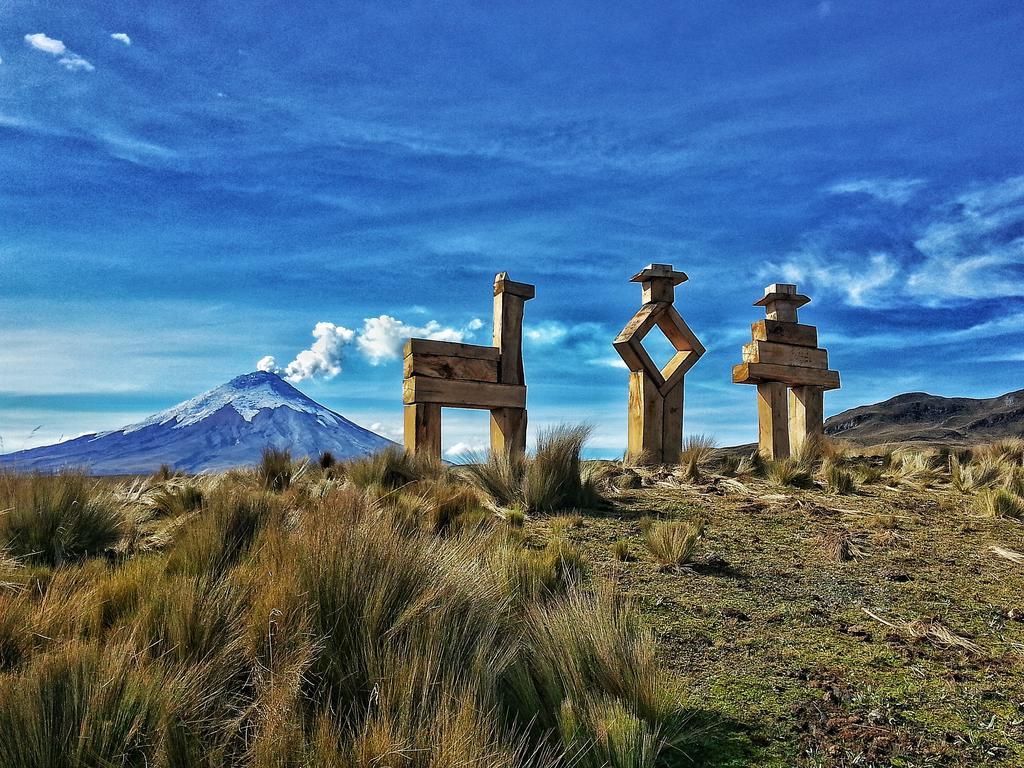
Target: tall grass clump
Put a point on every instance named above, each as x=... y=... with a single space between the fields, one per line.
x=673 y=543
x=973 y=476
x=553 y=478
x=912 y=468
x=838 y=479
x=51 y=519
x=276 y=469
x=787 y=473
x=1000 y=503
x=698 y=452
x=392 y=468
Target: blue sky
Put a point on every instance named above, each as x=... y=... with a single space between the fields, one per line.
x=187 y=188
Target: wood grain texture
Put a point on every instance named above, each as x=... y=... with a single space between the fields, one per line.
x=772 y=420
x=462 y=394
x=672 y=424
x=785 y=354
x=450 y=367
x=423 y=429
x=785 y=333
x=450 y=349
x=508 y=337
x=806 y=415
x=508 y=431
x=755 y=373
x=646 y=420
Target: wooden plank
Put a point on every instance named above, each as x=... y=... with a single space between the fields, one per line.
x=646 y=420
x=676 y=368
x=754 y=373
x=806 y=415
x=658 y=289
x=785 y=354
x=508 y=431
x=672 y=427
x=508 y=337
x=462 y=394
x=450 y=349
x=785 y=333
x=449 y=367
x=782 y=311
x=678 y=332
x=772 y=420
x=423 y=429
x=640 y=323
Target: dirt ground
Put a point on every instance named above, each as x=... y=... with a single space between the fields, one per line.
x=873 y=629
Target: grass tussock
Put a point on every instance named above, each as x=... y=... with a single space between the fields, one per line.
x=838 y=479
x=52 y=519
x=788 y=473
x=276 y=469
x=697 y=455
x=913 y=468
x=336 y=620
x=1000 y=503
x=673 y=543
x=554 y=478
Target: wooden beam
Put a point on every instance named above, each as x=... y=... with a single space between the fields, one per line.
x=772 y=420
x=785 y=354
x=785 y=333
x=508 y=337
x=659 y=289
x=462 y=394
x=672 y=424
x=503 y=285
x=451 y=349
x=508 y=431
x=806 y=415
x=755 y=373
x=646 y=419
x=449 y=367
x=423 y=429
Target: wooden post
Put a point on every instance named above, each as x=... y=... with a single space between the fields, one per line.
x=655 y=431
x=509 y=297
x=423 y=429
x=806 y=415
x=508 y=431
x=672 y=429
x=772 y=420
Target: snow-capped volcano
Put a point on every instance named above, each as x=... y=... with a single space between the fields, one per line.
x=225 y=427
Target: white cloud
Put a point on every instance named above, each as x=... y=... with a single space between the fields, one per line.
x=75 y=63
x=896 y=191
x=382 y=338
x=121 y=37
x=462 y=448
x=546 y=333
x=824 y=8
x=267 y=363
x=69 y=60
x=387 y=430
x=859 y=288
x=322 y=359
x=42 y=42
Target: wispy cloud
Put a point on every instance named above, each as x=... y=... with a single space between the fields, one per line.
x=860 y=287
x=897 y=191
x=69 y=60
x=381 y=338
x=121 y=37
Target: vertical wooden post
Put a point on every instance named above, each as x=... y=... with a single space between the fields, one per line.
x=508 y=431
x=806 y=415
x=672 y=431
x=772 y=420
x=646 y=419
x=423 y=429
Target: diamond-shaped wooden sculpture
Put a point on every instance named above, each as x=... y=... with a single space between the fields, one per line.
x=785 y=355
x=656 y=394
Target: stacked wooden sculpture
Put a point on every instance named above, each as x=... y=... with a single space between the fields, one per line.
x=655 y=432
x=446 y=374
x=785 y=354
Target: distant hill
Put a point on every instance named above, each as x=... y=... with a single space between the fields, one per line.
x=920 y=417
x=228 y=426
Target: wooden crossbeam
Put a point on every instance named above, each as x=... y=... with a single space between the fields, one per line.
x=755 y=373
x=785 y=333
x=451 y=367
x=785 y=354
x=451 y=349
x=462 y=394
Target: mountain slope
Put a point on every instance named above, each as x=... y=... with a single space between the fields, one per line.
x=225 y=427
x=920 y=417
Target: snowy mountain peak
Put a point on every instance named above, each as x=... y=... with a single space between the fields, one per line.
x=247 y=394
x=228 y=426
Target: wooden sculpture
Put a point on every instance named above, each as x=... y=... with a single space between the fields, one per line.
x=444 y=374
x=785 y=354
x=656 y=395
